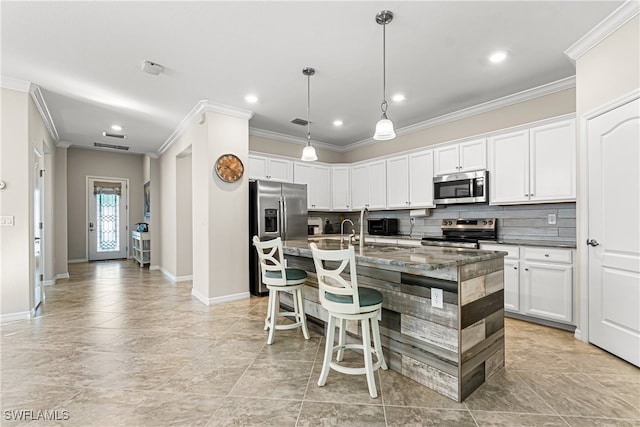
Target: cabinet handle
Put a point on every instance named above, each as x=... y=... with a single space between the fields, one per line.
x=547 y=255
x=526 y=269
x=526 y=195
x=531 y=194
x=515 y=268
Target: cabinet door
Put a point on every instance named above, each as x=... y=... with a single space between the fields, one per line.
x=547 y=291
x=377 y=177
x=553 y=162
x=359 y=186
x=280 y=170
x=341 y=188
x=398 y=182
x=512 y=285
x=257 y=167
x=302 y=175
x=320 y=189
x=421 y=180
x=509 y=168
x=473 y=155
x=447 y=160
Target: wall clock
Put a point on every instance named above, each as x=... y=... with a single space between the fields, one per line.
x=229 y=168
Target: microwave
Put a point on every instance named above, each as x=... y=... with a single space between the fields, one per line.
x=382 y=226
x=467 y=187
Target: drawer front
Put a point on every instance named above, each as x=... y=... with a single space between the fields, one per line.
x=548 y=254
x=513 y=251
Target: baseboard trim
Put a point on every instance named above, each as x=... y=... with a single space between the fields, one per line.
x=219 y=300
x=49 y=282
x=167 y=274
x=184 y=278
x=154 y=267
x=76 y=261
x=12 y=317
x=578 y=334
x=62 y=276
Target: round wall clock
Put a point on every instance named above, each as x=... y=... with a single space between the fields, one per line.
x=229 y=168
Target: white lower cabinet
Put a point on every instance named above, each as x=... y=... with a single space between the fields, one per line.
x=538 y=281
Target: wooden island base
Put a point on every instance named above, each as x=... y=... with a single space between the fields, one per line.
x=452 y=349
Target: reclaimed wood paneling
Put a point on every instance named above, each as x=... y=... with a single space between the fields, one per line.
x=429 y=332
x=479 y=309
x=472 y=335
x=471 y=290
x=433 y=378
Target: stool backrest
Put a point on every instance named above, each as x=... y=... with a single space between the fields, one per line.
x=270 y=256
x=331 y=280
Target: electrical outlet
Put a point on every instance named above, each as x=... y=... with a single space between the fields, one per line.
x=436 y=298
x=412 y=220
x=6 y=220
x=551 y=219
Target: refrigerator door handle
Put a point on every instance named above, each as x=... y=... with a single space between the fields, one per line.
x=284 y=218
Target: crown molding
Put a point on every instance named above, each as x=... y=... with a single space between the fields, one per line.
x=197 y=115
x=292 y=139
x=608 y=25
x=15 y=84
x=38 y=99
x=153 y=155
x=525 y=95
x=63 y=144
x=240 y=113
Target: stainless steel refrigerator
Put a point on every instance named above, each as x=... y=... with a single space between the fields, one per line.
x=276 y=209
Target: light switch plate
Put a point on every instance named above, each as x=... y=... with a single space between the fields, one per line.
x=551 y=219
x=6 y=220
x=436 y=297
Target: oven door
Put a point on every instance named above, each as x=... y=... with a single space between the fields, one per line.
x=467 y=187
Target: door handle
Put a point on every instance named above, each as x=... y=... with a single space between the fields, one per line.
x=90 y=226
x=592 y=242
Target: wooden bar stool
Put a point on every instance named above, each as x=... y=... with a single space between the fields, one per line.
x=277 y=278
x=344 y=300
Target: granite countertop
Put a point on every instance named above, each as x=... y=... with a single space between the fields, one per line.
x=525 y=242
x=400 y=258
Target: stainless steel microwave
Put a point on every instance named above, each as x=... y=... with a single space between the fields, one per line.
x=467 y=187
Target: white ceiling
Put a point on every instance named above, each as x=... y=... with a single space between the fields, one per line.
x=86 y=57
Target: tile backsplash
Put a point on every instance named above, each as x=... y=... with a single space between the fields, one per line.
x=528 y=222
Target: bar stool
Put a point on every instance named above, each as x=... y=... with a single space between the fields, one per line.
x=277 y=278
x=344 y=300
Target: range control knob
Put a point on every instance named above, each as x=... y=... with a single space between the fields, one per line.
x=490 y=222
x=484 y=222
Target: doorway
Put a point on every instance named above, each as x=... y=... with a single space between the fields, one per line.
x=107 y=218
x=38 y=221
x=614 y=231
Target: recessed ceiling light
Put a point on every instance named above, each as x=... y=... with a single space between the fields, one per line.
x=338 y=123
x=116 y=127
x=398 y=97
x=498 y=56
x=251 y=99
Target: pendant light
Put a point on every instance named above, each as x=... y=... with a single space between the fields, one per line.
x=309 y=153
x=384 y=128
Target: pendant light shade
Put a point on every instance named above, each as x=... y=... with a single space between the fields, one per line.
x=309 y=153
x=384 y=128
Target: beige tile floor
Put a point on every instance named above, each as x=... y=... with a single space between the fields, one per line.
x=116 y=345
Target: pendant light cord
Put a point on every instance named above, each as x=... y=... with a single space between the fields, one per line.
x=308 y=109
x=384 y=105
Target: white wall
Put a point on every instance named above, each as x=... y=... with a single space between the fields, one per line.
x=184 y=217
x=82 y=163
x=282 y=148
x=151 y=174
x=61 y=248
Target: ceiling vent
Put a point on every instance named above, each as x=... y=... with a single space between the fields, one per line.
x=114 y=135
x=301 y=122
x=114 y=147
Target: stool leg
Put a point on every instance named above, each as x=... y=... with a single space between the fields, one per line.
x=328 y=350
x=368 y=363
x=267 y=319
x=303 y=318
x=341 y=339
x=376 y=342
x=274 y=314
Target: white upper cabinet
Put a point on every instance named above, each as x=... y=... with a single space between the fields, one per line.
x=533 y=165
x=421 y=180
x=369 y=185
x=318 y=180
x=274 y=169
x=462 y=157
x=398 y=182
x=552 y=154
x=410 y=181
x=341 y=188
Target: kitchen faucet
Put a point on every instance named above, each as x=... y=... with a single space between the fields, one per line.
x=362 y=212
x=353 y=230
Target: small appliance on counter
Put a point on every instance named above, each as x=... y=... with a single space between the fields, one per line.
x=382 y=226
x=314 y=226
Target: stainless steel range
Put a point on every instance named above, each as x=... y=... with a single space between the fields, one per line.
x=463 y=233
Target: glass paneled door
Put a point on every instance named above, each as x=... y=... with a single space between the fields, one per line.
x=107 y=219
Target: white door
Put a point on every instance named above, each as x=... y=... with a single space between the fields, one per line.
x=377 y=176
x=359 y=186
x=302 y=175
x=421 y=179
x=447 y=160
x=473 y=155
x=511 y=284
x=509 y=168
x=341 y=188
x=321 y=187
x=37 y=229
x=107 y=219
x=547 y=290
x=280 y=170
x=614 y=208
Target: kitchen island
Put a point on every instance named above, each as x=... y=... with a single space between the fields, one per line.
x=449 y=344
